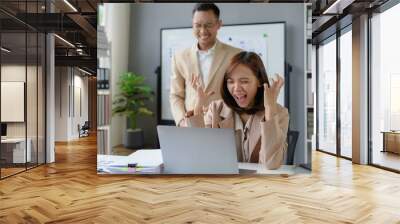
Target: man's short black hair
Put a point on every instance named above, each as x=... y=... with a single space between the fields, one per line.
x=206 y=7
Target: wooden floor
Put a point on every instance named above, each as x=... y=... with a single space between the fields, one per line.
x=70 y=191
x=10 y=171
x=387 y=159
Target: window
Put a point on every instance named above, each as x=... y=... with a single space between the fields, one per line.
x=327 y=96
x=385 y=88
x=346 y=93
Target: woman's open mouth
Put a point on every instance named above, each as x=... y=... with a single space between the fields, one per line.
x=241 y=99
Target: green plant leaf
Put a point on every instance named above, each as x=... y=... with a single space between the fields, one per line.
x=131 y=100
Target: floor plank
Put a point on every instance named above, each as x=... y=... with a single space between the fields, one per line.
x=386 y=159
x=70 y=191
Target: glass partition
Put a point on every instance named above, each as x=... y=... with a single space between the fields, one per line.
x=385 y=89
x=22 y=90
x=13 y=96
x=346 y=93
x=327 y=96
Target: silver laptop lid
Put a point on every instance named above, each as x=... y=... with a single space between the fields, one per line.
x=198 y=150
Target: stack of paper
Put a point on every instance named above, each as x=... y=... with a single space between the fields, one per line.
x=148 y=161
x=147 y=157
x=144 y=161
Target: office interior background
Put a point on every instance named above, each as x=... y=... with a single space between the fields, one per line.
x=328 y=63
x=357 y=82
x=352 y=110
x=48 y=82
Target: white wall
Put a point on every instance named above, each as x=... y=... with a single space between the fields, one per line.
x=13 y=72
x=117 y=31
x=33 y=126
x=80 y=83
x=61 y=104
x=16 y=73
x=68 y=82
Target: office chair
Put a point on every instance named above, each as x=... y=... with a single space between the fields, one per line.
x=292 y=137
x=84 y=130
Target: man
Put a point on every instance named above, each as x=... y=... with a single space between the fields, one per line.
x=207 y=59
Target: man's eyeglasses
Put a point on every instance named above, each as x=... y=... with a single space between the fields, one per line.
x=206 y=26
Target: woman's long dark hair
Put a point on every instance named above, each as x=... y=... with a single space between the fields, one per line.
x=252 y=61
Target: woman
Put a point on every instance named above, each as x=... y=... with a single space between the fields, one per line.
x=249 y=105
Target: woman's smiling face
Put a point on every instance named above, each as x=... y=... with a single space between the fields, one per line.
x=242 y=85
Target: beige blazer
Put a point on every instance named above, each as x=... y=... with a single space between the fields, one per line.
x=267 y=141
x=184 y=65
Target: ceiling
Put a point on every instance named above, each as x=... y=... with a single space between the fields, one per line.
x=330 y=15
x=74 y=21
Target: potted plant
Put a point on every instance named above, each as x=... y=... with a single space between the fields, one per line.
x=131 y=102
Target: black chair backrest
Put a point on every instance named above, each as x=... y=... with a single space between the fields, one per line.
x=292 y=137
x=86 y=125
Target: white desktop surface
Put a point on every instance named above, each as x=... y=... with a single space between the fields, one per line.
x=19 y=151
x=12 y=140
x=283 y=169
x=152 y=157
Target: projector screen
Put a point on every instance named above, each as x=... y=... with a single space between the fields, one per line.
x=266 y=39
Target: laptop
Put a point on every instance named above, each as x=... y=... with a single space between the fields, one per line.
x=198 y=150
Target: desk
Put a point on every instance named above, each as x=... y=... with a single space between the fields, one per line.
x=391 y=141
x=13 y=150
x=153 y=160
x=260 y=169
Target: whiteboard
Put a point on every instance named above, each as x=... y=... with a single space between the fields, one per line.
x=12 y=101
x=267 y=40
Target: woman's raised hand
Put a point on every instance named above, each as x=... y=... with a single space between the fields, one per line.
x=271 y=94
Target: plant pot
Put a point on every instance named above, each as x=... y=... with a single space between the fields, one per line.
x=134 y=139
